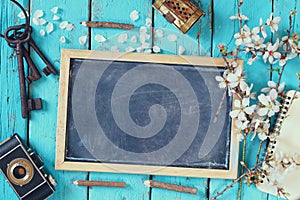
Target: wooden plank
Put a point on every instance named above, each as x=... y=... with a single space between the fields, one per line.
x=196 y=42
x=42 y=127
x=11 y=120
x=257 y=74
x=282 y=9
x=119 y=11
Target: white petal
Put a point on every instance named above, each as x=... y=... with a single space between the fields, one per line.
x=242 y=116
x=238 y=42
x=129 y=49
x=100 y=38
x=219 y=78
x=262 y=112
x=276 y=20
x=263 y=99
x=271 y=59
x=62 y=39
x=63 y=25
x=245 y=102
x=237 y=103
x=133 y=39
x=69 y=27
x=82 y=39
x=249 y=110
x=159 y=33
x=42 y=32
x=156 y=49
x=148 y=22
x=277 y=55
x=49 y=27
x=271 y=84
x=21 y=15
x=273 y=94
x=114 y=49
x=232 y=78
x=172 y=37
x=54 y=9
x=281 y=87
x=38 y=14
x=122 y=38
x=243 y=86
x=181 y=50
x=55 y=17
x=134 y=15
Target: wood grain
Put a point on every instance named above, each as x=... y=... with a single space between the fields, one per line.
x=214 y=28
x=11 y=120
x=42 y=126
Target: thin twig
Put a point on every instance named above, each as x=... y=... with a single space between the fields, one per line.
x=242 y=170
x=235 y=181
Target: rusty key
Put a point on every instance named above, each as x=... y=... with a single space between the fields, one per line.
x=49 y=68
x=27 y=104
x=36 y=74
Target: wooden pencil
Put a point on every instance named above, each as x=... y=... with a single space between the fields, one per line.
x=99 y=183
x=107 y=25
x=168 y=186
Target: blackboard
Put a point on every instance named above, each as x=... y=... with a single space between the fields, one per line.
x=138 y=113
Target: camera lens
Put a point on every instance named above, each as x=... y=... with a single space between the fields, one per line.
x=19 y=172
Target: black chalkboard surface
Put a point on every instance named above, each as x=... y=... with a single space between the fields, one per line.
x=136 y=113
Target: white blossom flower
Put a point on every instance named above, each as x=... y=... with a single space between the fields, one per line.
x=240 y=137
x=253 y=34
x=241 y=125
x=273 y=85
x=252 y=59
x=262 y=28
x=271 y=53
x=239 y=17
x=242 y=38
x=269 y=104
x=259 y=44
x=241 y=108
x=273 y=23
x=261 y=128
x=230 y=79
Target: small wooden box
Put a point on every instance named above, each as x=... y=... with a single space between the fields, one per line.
x=181 y=13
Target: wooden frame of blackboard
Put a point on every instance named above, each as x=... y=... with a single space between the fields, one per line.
x=63 y=164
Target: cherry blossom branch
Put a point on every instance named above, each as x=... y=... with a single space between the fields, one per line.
x=236 y=181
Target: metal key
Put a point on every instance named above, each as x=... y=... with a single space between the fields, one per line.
x=27 y=104
x=49 y=68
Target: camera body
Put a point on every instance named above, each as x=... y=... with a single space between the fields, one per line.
x=23 y=169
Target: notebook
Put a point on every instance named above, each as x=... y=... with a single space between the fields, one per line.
x=287 y=143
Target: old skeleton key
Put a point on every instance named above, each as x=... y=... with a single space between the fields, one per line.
x=21 y=34
x=17 y=41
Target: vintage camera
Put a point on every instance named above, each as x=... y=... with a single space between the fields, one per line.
x=23 y=170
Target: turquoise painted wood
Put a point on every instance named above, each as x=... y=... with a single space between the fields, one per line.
x=202 y=39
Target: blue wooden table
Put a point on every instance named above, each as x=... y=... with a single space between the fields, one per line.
x=202 y=39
